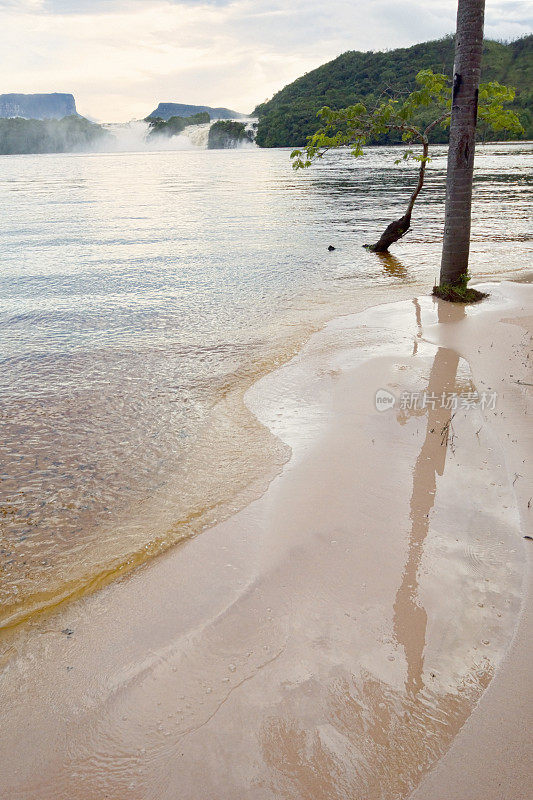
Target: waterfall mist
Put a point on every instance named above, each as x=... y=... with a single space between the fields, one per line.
x=134 y=137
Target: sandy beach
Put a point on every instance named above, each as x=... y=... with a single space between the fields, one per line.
x=359 y=632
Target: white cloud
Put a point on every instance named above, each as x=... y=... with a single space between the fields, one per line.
x=120 y=59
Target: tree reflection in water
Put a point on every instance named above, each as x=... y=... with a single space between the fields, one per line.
x=392 y=265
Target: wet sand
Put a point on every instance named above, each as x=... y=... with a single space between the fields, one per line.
x=332 y=639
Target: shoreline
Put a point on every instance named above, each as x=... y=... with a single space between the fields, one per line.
x=320 y=621
x=178 y=522
x=106 y=472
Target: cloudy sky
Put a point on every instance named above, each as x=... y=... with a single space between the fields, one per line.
x=122 y=57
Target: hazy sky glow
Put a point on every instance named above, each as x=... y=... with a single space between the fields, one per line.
x=120 y=58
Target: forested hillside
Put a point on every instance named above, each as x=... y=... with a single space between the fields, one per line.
x=290 y=116
x=70 y=134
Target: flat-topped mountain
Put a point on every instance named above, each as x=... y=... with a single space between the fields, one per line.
x=37 y=106
x=167 y=110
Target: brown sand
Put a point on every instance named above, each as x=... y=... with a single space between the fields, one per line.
x=332 y=639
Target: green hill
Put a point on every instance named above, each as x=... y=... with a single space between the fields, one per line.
x=290 y=116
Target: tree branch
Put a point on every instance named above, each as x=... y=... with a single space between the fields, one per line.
x=437 y=122
x=421 y=173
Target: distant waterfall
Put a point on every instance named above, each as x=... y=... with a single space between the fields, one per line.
x=127 y=136
x=131 y=137
x=198 y=135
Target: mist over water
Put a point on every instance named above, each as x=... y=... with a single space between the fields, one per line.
x=142 y=293
x=132 y=137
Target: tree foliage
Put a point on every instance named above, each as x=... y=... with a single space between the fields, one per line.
x=227 y=134
x=357 y=125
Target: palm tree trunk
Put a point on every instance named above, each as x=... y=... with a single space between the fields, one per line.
x=467 y=70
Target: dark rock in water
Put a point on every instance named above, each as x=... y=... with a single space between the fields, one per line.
x=165 y=111
x=37 y=106
x=330 y=248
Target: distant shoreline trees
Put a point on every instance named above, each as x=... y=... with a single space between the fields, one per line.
x=20 y=136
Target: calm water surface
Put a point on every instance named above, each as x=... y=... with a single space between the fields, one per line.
x=142 y=293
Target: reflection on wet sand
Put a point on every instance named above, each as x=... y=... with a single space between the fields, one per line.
x=376 y=742
x=410 y=618
x=418 y=316
x=375 y=739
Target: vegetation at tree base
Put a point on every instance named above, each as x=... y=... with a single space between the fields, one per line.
x=459 y=292
x=291 y=115
x=21 y=136
x=175 y=125
x=227 y=134
x=358 y=124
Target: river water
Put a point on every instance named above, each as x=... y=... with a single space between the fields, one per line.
x=141 y=293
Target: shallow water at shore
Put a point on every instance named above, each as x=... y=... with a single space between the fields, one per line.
x=141 y=294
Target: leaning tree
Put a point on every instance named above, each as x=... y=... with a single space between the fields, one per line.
x=358 y=124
